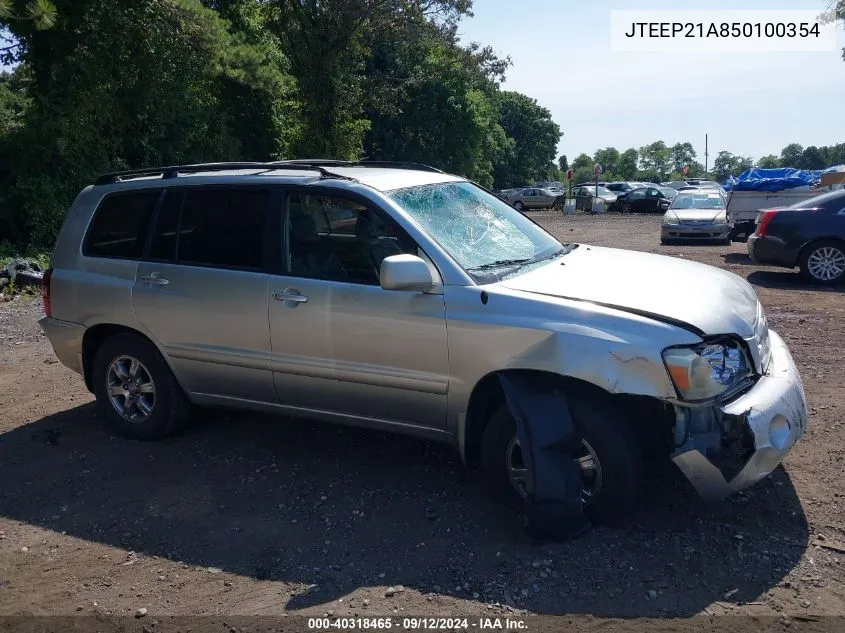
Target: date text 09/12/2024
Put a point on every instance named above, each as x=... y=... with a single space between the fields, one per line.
x=722 y=29
x=419 y=623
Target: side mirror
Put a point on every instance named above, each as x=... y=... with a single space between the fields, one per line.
x=405 y=272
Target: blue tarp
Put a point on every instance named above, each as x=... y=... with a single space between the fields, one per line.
x=756 y=179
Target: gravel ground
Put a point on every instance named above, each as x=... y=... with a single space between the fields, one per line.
x=251 y=515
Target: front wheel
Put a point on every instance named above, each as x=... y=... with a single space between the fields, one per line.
x=609 y=457
x=824 y=262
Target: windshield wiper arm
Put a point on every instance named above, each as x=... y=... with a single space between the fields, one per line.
x=501 y=263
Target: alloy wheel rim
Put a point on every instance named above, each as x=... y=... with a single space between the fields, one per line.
x=826 y=263
x=587 y=460
x=131 y=389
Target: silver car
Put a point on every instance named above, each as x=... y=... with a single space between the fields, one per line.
x=534 y=198
x=696 y=215
x=404 y=300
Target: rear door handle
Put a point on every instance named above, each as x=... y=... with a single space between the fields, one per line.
x=290 y=294
x=155 y=279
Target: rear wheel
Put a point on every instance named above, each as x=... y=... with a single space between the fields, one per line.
x=609 y=457
x=519 y=206
x=824 y=262
x=626 y=207
x=135 y=389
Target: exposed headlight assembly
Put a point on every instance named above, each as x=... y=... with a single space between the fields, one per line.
x=707 y=370
x=671 y=218
x=722 y=218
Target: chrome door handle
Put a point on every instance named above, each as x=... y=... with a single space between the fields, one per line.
x=290 y=294
x=154 y=280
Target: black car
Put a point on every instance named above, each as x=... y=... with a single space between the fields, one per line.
x=644 y=200
x=809 y=234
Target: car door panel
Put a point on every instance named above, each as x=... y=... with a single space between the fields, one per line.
x=218 y=345
x=355 y=349
x=211 y=320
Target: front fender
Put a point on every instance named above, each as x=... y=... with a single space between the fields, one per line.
x=616 y=351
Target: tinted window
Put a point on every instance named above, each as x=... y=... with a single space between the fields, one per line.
x=653 y=193
x=637 y=194
x=223 y=227
x=163 y=245
x=120 y=225
x=337 y=239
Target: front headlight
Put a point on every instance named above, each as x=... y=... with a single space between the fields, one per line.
x=671 y=218
x=722 y=218
x=706 y=370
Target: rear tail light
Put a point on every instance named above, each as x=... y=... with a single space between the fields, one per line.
x=763 y=220
x=45 y=292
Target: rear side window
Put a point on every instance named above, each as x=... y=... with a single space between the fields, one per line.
x=223 y=227
x=120 y=225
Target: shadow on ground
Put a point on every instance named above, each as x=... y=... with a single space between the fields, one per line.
x=738 y=258
x=334 y=507
x=787 y=280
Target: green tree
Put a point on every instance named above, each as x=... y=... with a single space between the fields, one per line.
x=727 y=164
x=791 y=155
x=626 y=167
x=812 y=158
x=769 y=162
x=680 y=155
x=562 y=163
x=328 y=45
x=608 y=158
x=14 y=101
x=41 y=14
x=430 y=100
x=654 y=159
x=582 y=168
x=128 y=83
x=535 y=138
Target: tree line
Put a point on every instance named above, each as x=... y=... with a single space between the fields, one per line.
x=659 y=162
x=103 y=85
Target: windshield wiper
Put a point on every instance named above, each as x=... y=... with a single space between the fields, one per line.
x=567 y=248
x=501 y=263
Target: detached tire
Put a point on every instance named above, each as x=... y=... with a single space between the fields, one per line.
x=136 y=391
x=614 y=444
x=823 y=262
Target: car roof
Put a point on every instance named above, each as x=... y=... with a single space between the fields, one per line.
x=381 y=178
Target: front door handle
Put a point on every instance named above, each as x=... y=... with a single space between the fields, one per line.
x=290 y=294
x=154 y=279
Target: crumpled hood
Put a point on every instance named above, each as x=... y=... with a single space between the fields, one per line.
x=710 y=299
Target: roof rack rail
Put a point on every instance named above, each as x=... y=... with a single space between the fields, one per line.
x=174 y=170
x=387 y=164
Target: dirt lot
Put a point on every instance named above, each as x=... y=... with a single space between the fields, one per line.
x=247 y=515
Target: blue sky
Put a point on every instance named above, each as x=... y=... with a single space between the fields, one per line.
x=751 y=104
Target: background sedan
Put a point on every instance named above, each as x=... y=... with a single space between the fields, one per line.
x=533 y=198
x=645 y=200
x=696 y=215
x=809 y=234
x=584 y=195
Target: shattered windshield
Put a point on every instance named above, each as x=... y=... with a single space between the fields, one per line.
x=481 y=232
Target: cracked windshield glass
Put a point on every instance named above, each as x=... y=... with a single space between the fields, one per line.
x=483 y=234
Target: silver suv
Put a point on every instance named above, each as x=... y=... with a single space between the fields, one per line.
x=402 y=298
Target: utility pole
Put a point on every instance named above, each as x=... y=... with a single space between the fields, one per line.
x=706 y=155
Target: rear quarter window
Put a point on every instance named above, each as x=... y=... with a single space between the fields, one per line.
x=120 y=224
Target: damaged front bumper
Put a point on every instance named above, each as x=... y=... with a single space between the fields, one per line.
x=731 y=447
